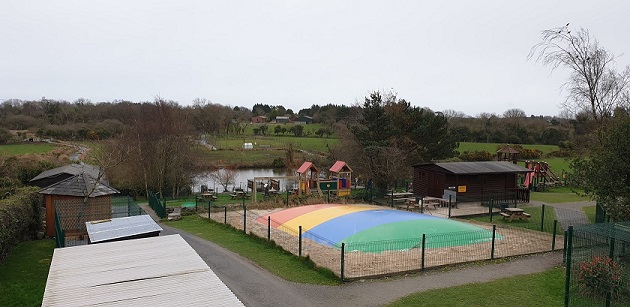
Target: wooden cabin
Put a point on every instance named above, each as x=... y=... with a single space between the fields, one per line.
x=473 y=181
x=78 y=199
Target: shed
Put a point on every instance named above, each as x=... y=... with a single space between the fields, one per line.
x=70 y=195
x=473 y=181
x=157 y=271
x=282 y=119
x=122 y=228
x=304 y=120
x=55 y=175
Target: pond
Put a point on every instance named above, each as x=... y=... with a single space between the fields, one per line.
x=242 y=175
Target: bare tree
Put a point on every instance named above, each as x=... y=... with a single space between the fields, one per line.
x=514 y=113
x=224 y=177
x=594 y=84
x=449 y=114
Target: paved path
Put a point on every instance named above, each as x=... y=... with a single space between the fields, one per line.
x=255 y=286
x=570 y=214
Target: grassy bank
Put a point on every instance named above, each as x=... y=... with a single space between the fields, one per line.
x=540 y=289
x=23 y=274
x=24 y=149
x=269 y=257
x=556 y=195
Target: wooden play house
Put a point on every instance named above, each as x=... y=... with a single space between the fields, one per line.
x=342 y=174
x=308 y=178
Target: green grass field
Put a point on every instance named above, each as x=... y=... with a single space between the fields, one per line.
x=540 y=289
x=23 y=274
x=23 y=149
x=277 y=142
x=555 y=195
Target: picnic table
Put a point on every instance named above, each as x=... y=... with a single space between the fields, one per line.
x=210 y=196
x=399 y=195
x=510 y=214
x=239 y=194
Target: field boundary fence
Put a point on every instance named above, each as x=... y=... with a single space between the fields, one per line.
x=355 y=260
x=597 y=261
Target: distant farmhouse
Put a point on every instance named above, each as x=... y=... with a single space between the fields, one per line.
x=304 y=120
x=259 y=119
x=283 y=119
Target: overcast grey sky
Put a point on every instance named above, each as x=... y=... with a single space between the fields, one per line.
x=469 y=56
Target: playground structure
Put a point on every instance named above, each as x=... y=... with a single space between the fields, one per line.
x=338 y=183
x=541 y=177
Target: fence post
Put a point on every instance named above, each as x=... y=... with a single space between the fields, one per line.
x=449 y=206
x=300 y=242
x=224 y=214
x=197 y=203
x=209 y=208
x=244 y=219
x=542 y=218
x=392 y=198
x=268 y=228
x=494 y=235
x=424 y=242
x=567 y=280
x=491 y=209
x=611 y=254
x=164 y=209
x=343 y=253
x=564 y=247
x=553 y=240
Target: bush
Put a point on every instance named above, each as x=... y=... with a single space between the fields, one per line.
x=477 y=155
x=599 y=276
x=19 y=219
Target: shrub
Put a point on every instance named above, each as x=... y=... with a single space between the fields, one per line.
x=477 y=155
x=599 y=276
x=19 y=219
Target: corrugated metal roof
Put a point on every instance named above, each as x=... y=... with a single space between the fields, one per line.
x=481 y=167
x=157 y=271
x=79 y=185
x=339 y=166
x=72 y=169
x=121 y=227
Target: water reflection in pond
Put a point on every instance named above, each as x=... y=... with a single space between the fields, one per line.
x=242 y=175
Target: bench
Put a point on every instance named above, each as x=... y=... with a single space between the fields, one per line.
x=527 y=215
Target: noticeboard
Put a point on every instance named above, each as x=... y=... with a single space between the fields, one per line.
x=327 y=185
x=461 y=189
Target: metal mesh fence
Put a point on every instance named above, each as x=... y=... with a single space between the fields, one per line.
x=598 y=265
x=378 y=258
x=71 y=215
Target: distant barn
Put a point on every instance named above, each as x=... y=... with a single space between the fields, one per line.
x=473 y=181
